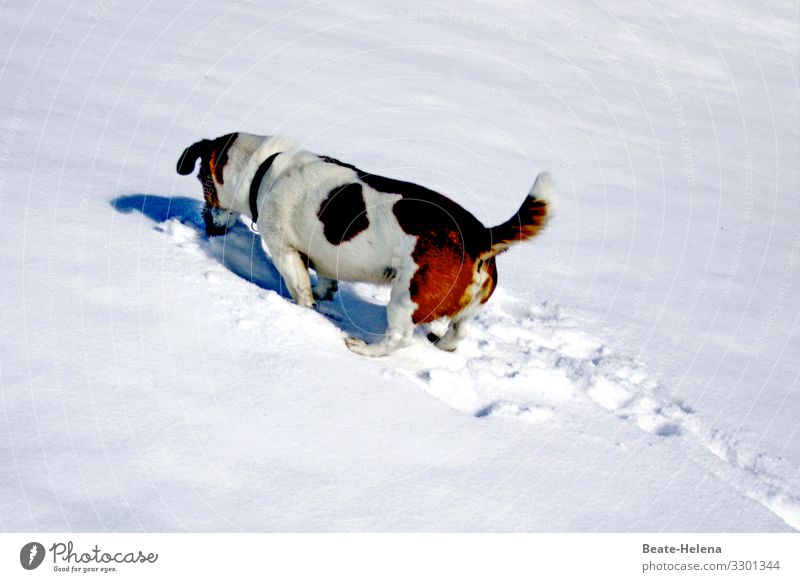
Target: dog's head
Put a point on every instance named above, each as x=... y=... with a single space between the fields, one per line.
x=228 y=164
x=214 y=156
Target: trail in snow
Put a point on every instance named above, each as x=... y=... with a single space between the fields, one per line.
x=528 y=362
x=533 y=362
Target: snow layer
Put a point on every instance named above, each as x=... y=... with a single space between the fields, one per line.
x=636 y=371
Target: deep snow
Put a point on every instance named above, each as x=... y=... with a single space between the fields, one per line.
x=636 y=371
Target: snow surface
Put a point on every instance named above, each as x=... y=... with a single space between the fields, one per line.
x=637 y=369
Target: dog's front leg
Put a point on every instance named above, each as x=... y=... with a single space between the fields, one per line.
x=325 y=288
x=295 y=274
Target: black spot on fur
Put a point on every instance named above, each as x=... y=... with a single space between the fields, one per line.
x=426 y=213
x=343 y=213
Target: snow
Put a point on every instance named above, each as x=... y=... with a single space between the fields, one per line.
x=637 y=369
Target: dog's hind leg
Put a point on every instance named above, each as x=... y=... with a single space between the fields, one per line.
x=399 y=328
x=325 y=288
x=294 y=271
x=455 y=333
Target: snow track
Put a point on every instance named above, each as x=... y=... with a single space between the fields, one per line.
x=531 y=363
x=152 y=379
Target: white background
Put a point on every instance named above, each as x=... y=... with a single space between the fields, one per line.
x=636 y=370
x=401 y=557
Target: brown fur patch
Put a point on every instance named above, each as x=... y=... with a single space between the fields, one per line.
x=526 y=223
x=213 y=158
x=490 y=284
x=443 y=284
x=207 y=180
x=443 y=278
x=218 y=157
x=450 y=241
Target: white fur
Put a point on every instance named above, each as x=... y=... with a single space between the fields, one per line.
x=544 y=189
x=288 y=201
x=289 y=198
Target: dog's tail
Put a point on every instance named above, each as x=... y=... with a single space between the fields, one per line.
x=536 y=210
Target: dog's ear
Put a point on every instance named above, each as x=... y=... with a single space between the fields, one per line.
x=187 y=160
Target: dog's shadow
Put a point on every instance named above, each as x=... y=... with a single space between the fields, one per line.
x=241 y=252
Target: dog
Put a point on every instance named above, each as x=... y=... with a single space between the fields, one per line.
x=314 y=211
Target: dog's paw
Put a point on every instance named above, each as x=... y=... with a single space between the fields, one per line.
x=373 y=350
x=356 y=345
x=362 y=348
x=354 y=342
x=325 y=289
x=325 y=296
x=440 y=343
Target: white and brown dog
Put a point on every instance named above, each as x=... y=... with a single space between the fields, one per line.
x=317 y=212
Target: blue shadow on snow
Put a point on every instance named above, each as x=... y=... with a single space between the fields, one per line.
x=241 y=252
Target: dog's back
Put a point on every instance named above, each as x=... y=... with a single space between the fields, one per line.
x=348 y=224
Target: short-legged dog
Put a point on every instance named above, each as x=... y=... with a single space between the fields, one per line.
x=316 y=212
